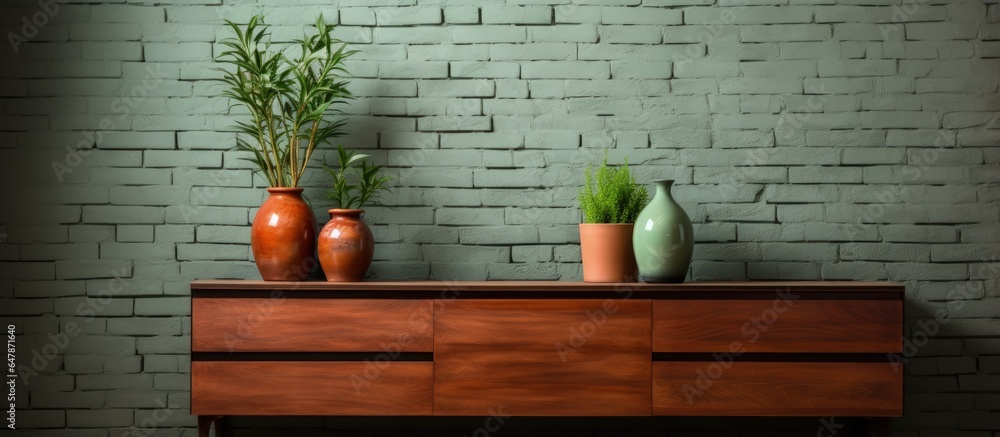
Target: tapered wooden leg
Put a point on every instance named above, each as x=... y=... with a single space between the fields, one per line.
x=205 y=425
x=220 y=426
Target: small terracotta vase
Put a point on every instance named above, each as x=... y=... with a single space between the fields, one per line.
x=346 y=246
x=607 y=253
x=283 y=236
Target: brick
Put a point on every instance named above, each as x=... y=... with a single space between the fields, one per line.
x=149 y=195
x=126 y=13
x=742 y=138
x=114 y=382
x=485 y=69
x=932 y=291
x=136 y=251
x=503 y=235
x=33 y=307
x=46 y=252
x=79 y=400
x=749 y=15
x=201 y=159
x=586 y=33
x=122 y=214
x=533 y=51
x=849 y=67
x=785 y=32
x=740 y=175
x=634 y=51
x=741 y=212
x=466 y=88
x=357 y=17
x=641 y=70
x=454 y=123
x=489 y=34
x=172 y=381
x=509 y=14
x=41 y=419
x=461 y=15
x=758 y=86
x=174 y=418
x=136 y=140
x=159 y=363
x=413 y=70
x=531 y=254
x=499 y=140
x=513 y=272
x=577 y=14
x=144 y=326
x=458 y=271
x=87 y=306
x=136 y=399
x=565 y=70
x=939 y=31
x=408 y=16
x=88 y=269
x=162 y=345
x=168 y=306
x=910 y=271
x=656 y=16
x=135 y=234
x=472 y=254
x=185 y=214
x=827 y=175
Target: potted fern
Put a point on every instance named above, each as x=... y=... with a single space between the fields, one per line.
x=346 y=243
x=288 y=100
x=610 y=200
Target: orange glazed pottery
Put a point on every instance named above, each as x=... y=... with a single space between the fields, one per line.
x=283 y=236
x=346 y=246
x=607 y=253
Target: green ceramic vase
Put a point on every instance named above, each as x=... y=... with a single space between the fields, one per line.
x=663 y=238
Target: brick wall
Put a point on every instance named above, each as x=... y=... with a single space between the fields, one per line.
x=811 y=139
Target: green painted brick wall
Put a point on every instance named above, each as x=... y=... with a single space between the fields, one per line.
x=810 y=139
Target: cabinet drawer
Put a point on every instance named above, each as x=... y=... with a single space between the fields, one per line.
x=706 y=388
x=704 y=325
x=313 y=388
x=311 y=325
x=542 y=357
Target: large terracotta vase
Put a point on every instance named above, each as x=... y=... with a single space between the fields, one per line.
x=606 y=249
x=663 y=238
x=346 y=246
x=283 y=236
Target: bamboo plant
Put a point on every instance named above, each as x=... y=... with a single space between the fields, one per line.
x=288 y=98
x=354 y=192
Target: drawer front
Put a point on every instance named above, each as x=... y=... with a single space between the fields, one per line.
x=311 y=325
x=706 y=388
x=542 y=357
x=703 y=325
x=295 y=388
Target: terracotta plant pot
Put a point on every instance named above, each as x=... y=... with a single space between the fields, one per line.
x=283 y=236
x=607 y=252
x=346 y=246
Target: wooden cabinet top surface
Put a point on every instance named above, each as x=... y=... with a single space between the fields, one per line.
x=557 y=286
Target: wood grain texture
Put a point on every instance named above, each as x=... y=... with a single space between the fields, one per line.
x=311 y=388
x=570 y=287
x=855 y=326
x=777 y=389
x=311 y=325
x=507 y=355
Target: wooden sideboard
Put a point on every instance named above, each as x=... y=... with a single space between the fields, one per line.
x=545 y=349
